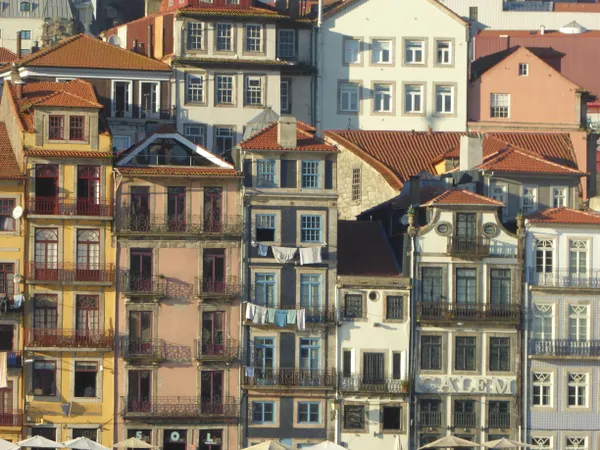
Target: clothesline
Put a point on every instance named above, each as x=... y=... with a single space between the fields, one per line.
x=308 y=255
x=279 y=317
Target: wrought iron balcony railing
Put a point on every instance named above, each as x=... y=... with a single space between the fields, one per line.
x=218 y=287
x=11 y=418
x=64 y=273
x=498 y=420
x=181 y=407
x=564 y=347
x=59 y=206
x=361 y=383
x=66 y=338
x=559 y=278
x=15 y=360
x=442 y=311
x=468 y=246
x=320 y=314
x=228 y=350
x=291 y=378
x=140 y=286
x=166 y=113
x=465 y=419
x=430 y=419
x=151 y=350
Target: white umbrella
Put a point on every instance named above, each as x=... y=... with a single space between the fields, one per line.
x=505 y=443
x=269 y=445
x=83 y=443
x=451 y=442
x=5 y=445
x=325 y=445
x=39 y=442
x=133 y=443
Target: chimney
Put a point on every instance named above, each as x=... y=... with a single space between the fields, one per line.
x=286 y=132
x=414 y=192
x=35 y=47
x=19 y=86
x=293 y=8
x=542 y=30
x=429 y=130
x=281 y=5
x=18 y=44
x=149 y=49
x=471 y=152
x=135 y=45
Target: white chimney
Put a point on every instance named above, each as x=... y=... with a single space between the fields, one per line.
x=286 y=132
x=542 y=29
x=471 y=151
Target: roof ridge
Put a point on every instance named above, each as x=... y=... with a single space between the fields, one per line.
x=259 y=132
x=449 y=192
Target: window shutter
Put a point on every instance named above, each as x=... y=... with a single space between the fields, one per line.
x=396 y=371
x=247 y=173
x=328 y=174
x=288 y=173
x=373 y=367
x=347 y=364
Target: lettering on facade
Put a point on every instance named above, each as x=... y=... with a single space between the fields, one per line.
x=467 y=385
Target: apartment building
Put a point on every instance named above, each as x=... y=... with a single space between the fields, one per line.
x=290 y=249
x=58 y=132
x=179 y=231
x=397 y=71
x=373 y=340
x=559 y=407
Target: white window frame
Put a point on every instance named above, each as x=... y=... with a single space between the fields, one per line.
x=529 y=192
x=578 y=314
x=499 y=191
x=542 y=245
x=123 y=138
x=523 y=69
x=543 y=382
x=285 y=105
x=560 y=196
x=228 y=38
x=195 y=32
x=190 y=134
x=379 y=97
x=349 y=90
x=378 y=51
x=578 y=381
x=24 y=38
x=411 y=51
x=231 y=134
x=409 y=106
x=284 y=47
x=445 y=53
x=541 y=312
x=129 y=111
x=579 y=246
x=352 y=55
x=542 y=442
x=201 y=89
x=253 y=43
x=575 y=443
x=499 y=106
x=253 y=95
x=356 y=188
x=444 y=94
x=153 y=114
x=218 y=90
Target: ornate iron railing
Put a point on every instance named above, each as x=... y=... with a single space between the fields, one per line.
x=68 y=338
x=465 y=419
x=589 y=279
x=361 y=383
x=291 y=377
x=434 y=311
x=181 y=407
x=143 y=349
x=468 y=246
x=498 y=420
x=59 y=206
x=320 y=314
x=430 y=419
x=137 y=285
x=13 y=418
x=564 y=347
x=228 y=350
x=226 y=286
x=58 y=272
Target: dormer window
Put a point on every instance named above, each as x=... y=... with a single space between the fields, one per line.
x=56 y=127
x=25 y=7
x=76 y=126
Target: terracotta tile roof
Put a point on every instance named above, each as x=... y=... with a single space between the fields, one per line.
x=565 y=215
x=258 y=62
x=68 y=153
x=7 y=56
x=485 y=63
x=82 y=51
x=180 y=171
x=266 y=139
x=9 y=169
x=515 y=159
x=577 y=7
x=209 y=10
x=555 y=147
x=548 y=34
x=462 y=197
x=363 y=249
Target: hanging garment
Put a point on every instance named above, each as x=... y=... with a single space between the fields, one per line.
x=281 y=318
x=19 y=299
x=263 y=250
x=260 y=315
x=291 y=316
x=310 y=255
x=301 y=319
x=283 y=254
x=249 y=371
x=271 y=315
x=250 y=310
x=3 y=369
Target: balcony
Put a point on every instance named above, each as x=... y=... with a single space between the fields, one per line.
x=129 y=224
x=285 y=378
x=358 y=383
x=443 y=312
x=227 y=351
x=465 y=419
x=69 y=339
x=498 y=420
x=218 y=288
x=180 y=408
x=12 y=418
x=59 y=206
x=315 y=315
x=430 y=419
x=150 y=351
x=565 y=278
x=132 y=285
x=69 y=273
x=564 y=347
x=15 y=360
x=8 y=303
x=468 y=247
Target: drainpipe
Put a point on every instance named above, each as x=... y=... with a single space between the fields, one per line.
x=412 y=357
x=244 y=331
x=525 y=299
x=319 y=62
x=118 y=178
x=336 y=437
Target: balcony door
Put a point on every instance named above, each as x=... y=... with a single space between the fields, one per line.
x=213 y=331
x=264 y=358
x=88 y=190
x=139 y=218
x=213 y=200
x=373 y=368
x=140 y=270
x=140 y=333
x=213 y=271
x=46 y=254
x=466 y=226
x=46 y=189
x=140 y=393
x=7 y=417
x=149 y=100
x=7 y=288
x=211 y=392
x=88 y=255
x=87 y=313
x=310 y=360
x=45 y=320
x=176 y=208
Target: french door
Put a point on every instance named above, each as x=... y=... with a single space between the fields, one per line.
x=213 y=200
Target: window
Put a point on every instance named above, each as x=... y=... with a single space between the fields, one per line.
x=310 y=354
x=224 y=89
x=76 y=128
x=310 y=229
x=195 y=32
x=88 y=254
x=500 y=354
x=121 y=142
x=87 y=313
x=394 y=308
x=223 y=139
x=578 y=322
x=392 y=418
x=542 y=389
x=286 y=47
x=498 y=414
x=196 y=134
x=311 y=174
x=353 y=306
x=25 y=7
x=265 y=287
x=56 y=127
x=443 y=52
x=263 y=412
x=382 y=98
x=578 y=256
x=266 y=173
x=354 y=417
x=529 y=199
x=44 y=378
x=559 y=197
x=499 y=106
x=444 y=99
x=381 y=52
x=253 y=92
x=121 y=100
x=349 y=97
x=543 y=255
x=7 y=272
x=414 y=52
x=464 y=414
x=500 y=286
x=264 y=356
x=577 y=389
x=310 y=290
x=543 y=319
x=523 y=70
x=396 y=366
x=473 y=13
x=86 y=374
x=224 y=37
x=25 y=35
x=431 y=281
x=413 y=98
x=500 y=192
x=464 y=357
x=194 y=88
x=352 y=51
x=373 y=368
x=253 y=38
x=309 y=412
x=347 y=363
x=285 y=94
x=576 y=443
x=90 y=433
x=265 y=227
x=356 y=185
x=7 y=223
x=466 y=286
x=430 y=412
x=46 y=252
x=431 y=352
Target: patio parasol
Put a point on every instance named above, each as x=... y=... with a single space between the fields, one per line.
x=451 y=442
x=38 y=442
x=133 y=443
x=269 y=445
x=505 y=443
x=84 y=443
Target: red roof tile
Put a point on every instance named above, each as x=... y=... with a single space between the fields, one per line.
x=208 y=9
x=9 y=169
x=363 y=249
x=68 y=153
x=266 y=139
x=462 y=197
x=565 y=215
x=7 y=56
x=577 y=7
x=180 y=171
x=514 y=159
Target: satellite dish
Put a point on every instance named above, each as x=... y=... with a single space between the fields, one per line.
x=404 y=219
x=17 y=212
